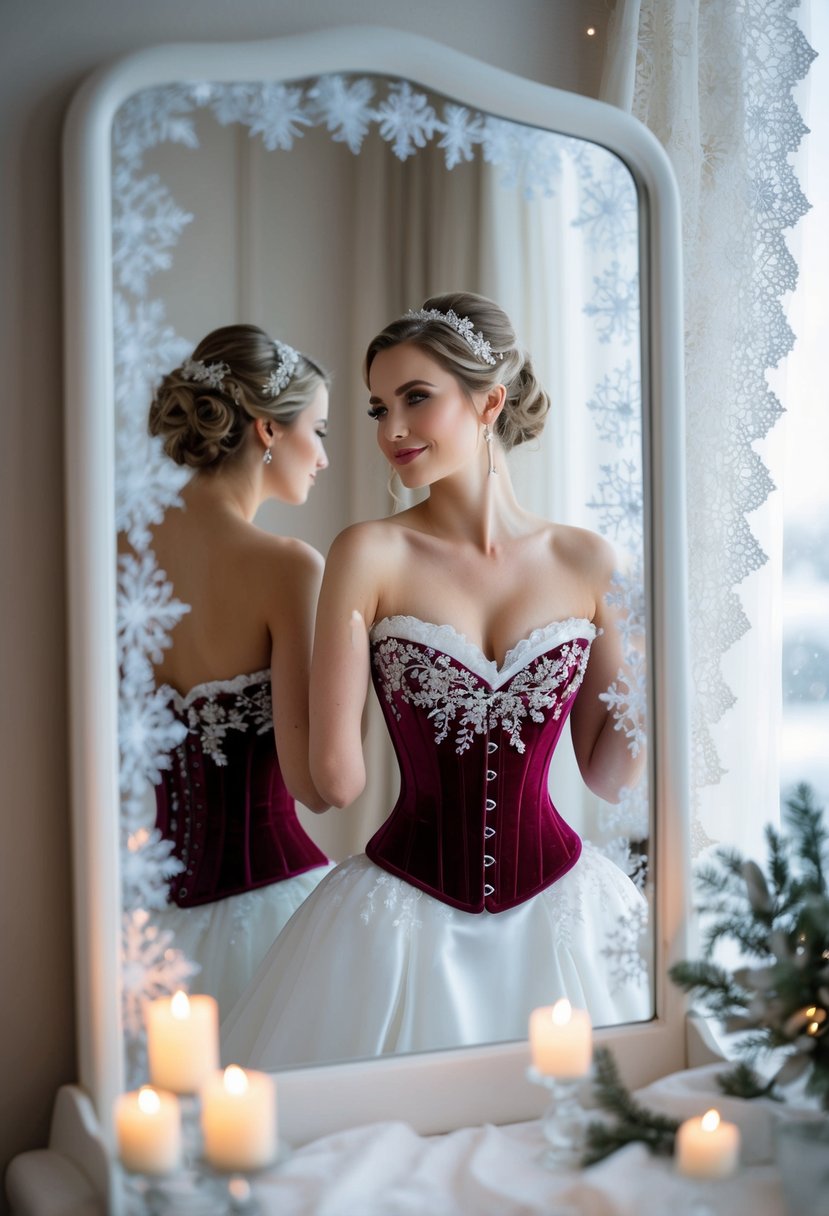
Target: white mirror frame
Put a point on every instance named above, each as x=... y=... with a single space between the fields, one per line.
x=434 y=1091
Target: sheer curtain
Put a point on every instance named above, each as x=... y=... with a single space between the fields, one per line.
x=713 y=79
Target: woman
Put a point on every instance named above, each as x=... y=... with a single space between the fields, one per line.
x=249 y=416
x=474 y=901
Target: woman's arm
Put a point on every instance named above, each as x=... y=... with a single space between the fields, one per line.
x=340 y=666
x=602 y=752
x=291 y=626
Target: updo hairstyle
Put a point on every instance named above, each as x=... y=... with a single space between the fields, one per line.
x=201 y=425
x=526 y=404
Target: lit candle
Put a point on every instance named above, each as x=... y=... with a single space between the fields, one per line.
x=239 y=1119
x=148 y=1129
x=182 y=1041
x=561 y=1040
x=706 y=1147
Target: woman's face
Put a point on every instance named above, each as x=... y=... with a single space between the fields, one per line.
x=299 y=451
x=427 y=427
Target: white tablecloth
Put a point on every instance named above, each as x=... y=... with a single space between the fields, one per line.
x=387 y=1170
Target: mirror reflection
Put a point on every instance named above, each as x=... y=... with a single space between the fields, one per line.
x=323 y=210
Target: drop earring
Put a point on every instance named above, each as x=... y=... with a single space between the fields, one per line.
x=268 y=457
x=488 y=437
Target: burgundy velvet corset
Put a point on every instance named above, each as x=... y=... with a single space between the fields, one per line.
x=474 y=824
x=223 y=801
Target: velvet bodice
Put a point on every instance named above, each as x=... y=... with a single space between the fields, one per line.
x=223 y=801
x=474 y=824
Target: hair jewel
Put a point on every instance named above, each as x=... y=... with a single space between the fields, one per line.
x=211 y=374
x=474 y=339
x=285 y=370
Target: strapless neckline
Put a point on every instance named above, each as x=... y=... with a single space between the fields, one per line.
x=213 y=688
x=452 y=642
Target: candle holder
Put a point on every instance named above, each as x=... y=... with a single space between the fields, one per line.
x=564 y=1122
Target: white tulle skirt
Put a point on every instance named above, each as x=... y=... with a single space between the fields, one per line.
x=228 y=939
x=370 y=964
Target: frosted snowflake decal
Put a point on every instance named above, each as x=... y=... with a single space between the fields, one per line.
x=615 y=305
x=609 y=209
x=462 y=130
x=345 y=109
x=623 y=949
x=406 y=119
x=147 y=865
x=146 y=226
x=144 y=491
x=616 y=405
x=278 y=116
x=627 y=596
x=151 y=966
x=152 y=117
x=148 y=731
x=147 y=609
x=630 y=816
x=619 y=503
x=627 y=700
x=528 y=159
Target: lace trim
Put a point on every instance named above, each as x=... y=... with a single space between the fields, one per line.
x=460 y=700
x=452 y=642
x=211 y=719
x=212 y=688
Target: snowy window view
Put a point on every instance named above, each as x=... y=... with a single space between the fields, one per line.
x=804 y=463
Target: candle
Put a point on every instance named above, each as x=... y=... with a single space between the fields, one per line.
x=706 y=1147
x=182 y=1041
x=148 y=1129
x=561 y=1040
x=239 y=1119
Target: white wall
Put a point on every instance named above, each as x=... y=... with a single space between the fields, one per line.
x=46 y=48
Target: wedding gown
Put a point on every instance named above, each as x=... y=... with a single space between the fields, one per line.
x=474 y=902
x=247 y=862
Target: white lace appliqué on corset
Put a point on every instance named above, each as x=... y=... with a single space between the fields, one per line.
x=211 y=719
x=414 y=658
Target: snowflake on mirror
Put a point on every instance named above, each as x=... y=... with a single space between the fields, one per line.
x=616 y=405
x=407 y=121
x=615 y=304
x=147 y=611
x=146 y=226
x=344 y=109
x=462 y=130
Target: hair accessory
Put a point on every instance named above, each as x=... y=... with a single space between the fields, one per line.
x=211 y=374
x=268 y=457
x=488 y=436
x=284 y=372
x=474 y=339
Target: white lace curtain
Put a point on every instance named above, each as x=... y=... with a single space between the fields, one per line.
x=713 y=79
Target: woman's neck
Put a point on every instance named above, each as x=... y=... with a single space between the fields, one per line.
x=476 y=507
x=234 y=492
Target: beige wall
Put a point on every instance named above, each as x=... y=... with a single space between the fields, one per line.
x=46 y=48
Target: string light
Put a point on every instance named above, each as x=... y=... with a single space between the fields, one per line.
x=590 y=31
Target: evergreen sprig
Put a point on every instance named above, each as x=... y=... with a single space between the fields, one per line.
x=634 y=1122
x=780 y=921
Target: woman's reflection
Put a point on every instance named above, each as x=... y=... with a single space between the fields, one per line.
x=475 y=901
x=249 y=415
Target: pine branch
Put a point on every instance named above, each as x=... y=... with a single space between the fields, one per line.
x=743 y=1082
x=811 y=836
x=712 y=983
x=635 y=1123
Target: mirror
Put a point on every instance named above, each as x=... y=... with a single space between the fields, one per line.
x=133 y=200
x=320 y=209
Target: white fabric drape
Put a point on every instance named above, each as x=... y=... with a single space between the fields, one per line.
x=713 y=80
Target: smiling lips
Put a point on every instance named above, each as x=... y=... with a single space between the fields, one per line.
x=404 y=455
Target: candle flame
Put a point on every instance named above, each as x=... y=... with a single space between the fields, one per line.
x=180 y=1006
x=710 y=1121
x=813 y=1028
x=236 y=1079
x=562 y=1012
x=811 y=1011
x=148 y=1100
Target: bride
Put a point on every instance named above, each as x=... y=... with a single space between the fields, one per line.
x=487 y=626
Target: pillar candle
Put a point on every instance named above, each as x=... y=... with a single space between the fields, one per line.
x=561 y=1040
x=239 y=1119
x=706 y=1147
x=148 y=1129
x=182 y=1041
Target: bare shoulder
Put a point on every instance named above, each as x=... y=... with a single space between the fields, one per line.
x=366 y=544
x=282 y=562
x=586 y=553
